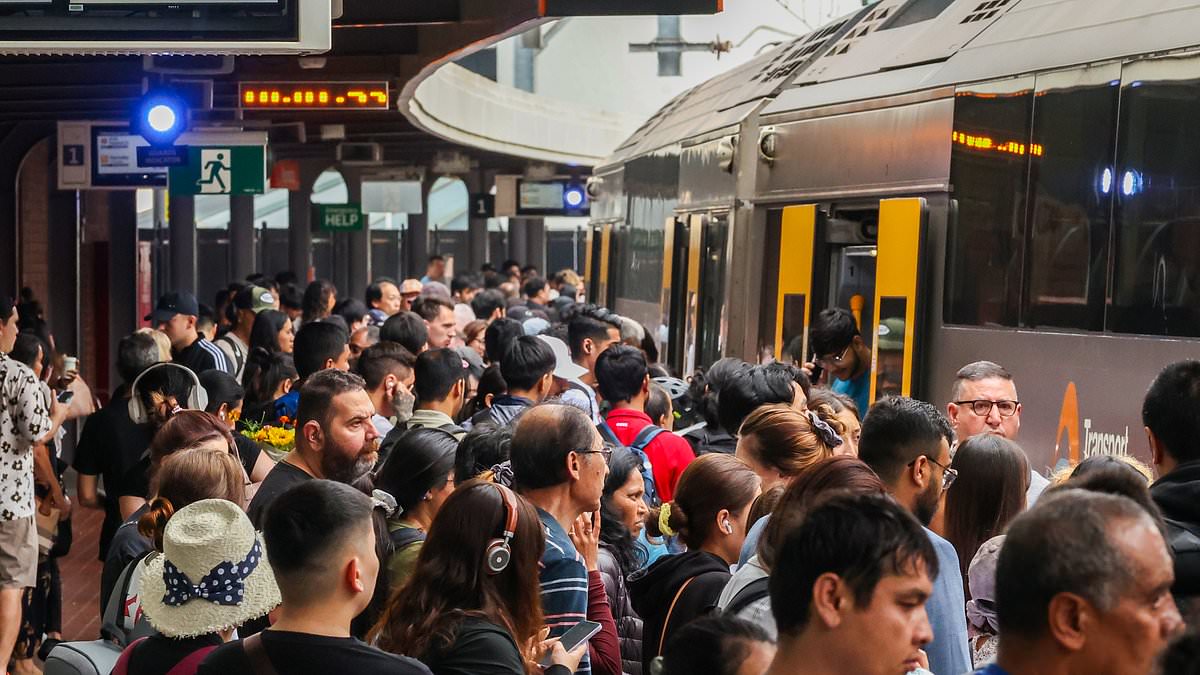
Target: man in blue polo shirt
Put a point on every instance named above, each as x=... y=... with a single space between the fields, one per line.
x=559 y=464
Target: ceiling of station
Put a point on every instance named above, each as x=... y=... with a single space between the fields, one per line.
x=378 y=40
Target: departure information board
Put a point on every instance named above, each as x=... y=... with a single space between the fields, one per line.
x=314 y=95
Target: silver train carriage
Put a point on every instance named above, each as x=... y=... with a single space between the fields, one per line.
x=1015 y=180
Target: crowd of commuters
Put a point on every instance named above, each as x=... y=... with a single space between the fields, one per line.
x=487 y=475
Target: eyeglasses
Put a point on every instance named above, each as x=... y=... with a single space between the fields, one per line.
x=948 y=474
x=835 y=360
x=605 y=452
x=983 y=408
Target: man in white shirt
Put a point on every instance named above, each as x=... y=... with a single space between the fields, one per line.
x=27 y=418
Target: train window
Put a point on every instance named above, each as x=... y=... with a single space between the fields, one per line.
x=793 y=328
x=1156 y=270
x=638 y=271
x=889 y=365
x=1071 y=181
x=712 y=285
x=989 y=174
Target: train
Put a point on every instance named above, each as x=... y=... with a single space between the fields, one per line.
x=1009 y=180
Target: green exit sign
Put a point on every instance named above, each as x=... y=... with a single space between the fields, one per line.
x=340 y=217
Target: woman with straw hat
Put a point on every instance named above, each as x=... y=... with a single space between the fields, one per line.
x=212 y=577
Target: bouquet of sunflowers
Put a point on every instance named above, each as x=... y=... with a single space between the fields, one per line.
x=276 y=439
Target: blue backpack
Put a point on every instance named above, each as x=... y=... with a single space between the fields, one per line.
x=638 y=447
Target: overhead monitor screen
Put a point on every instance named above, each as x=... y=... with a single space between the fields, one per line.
x=154 y=26
x=540 y=196
x=114 y=160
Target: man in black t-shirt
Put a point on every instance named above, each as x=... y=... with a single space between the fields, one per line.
x=335 y=438
x=321 y=545
x=175 y=315
x=111 y=444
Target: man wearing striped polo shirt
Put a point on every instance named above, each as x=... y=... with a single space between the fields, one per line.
x=559 y=465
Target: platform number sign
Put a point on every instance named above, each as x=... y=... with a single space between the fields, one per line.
x=72 y=155
x=483 y=205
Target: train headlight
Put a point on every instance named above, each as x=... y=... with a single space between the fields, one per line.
x=594 y=184
x=768 y=144
x=725 y=154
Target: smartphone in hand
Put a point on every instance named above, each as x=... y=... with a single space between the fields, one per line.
x=578 y=634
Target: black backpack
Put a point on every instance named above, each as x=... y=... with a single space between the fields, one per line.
x=405 y=537
x=638 y=447
x=751 y=593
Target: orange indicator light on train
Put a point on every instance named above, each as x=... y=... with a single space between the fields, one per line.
x=1008 y=147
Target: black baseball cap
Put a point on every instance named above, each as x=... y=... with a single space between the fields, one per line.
x=175 y=302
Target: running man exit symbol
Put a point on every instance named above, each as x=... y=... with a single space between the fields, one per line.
x=228 y=170
x=216 y=173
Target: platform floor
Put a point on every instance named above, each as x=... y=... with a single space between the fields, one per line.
x=81 y=577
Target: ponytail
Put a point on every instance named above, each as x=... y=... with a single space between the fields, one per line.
x=153 y=522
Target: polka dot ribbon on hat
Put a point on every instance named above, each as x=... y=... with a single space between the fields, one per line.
x=224 y=585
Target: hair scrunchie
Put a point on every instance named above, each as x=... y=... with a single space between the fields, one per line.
x=826 y=433
x=664 y=520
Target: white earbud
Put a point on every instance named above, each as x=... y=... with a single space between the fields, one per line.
x=727 y=527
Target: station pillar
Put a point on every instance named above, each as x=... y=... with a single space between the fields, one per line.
x=478 y=182
x=535 y=244
x=358 y=243
x=518 y=231
x=181 y=225
x=122 y=292
x=300 y=233
x=241 y=236
x=416 y=239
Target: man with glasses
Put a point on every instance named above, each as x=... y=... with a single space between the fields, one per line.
x=842 y=355
x=907 y=443
x=984 y=401
x=559 y=464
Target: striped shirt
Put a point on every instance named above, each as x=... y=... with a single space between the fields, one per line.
x=564 y=583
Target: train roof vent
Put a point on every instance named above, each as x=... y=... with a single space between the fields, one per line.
x=986 y=10
x=870 y=23
x=785 y=64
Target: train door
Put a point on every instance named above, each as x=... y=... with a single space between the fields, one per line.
x=899 y=307
x=676 y=244
x=599 y=243
x=826 y=258
x=696 y=251
x=865 y=258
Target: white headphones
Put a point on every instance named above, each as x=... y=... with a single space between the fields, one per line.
x=197 y=399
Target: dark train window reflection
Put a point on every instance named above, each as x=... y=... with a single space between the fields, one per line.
x=989 y=175
x=1156 y=282
x=1071 y=191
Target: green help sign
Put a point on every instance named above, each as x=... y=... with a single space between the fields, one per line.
x=231 y=170
x=340 y=217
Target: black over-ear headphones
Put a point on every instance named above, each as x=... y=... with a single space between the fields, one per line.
x=499 y=551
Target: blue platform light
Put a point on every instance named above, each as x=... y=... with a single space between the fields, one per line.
x=161 y=117
x=574 y=197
